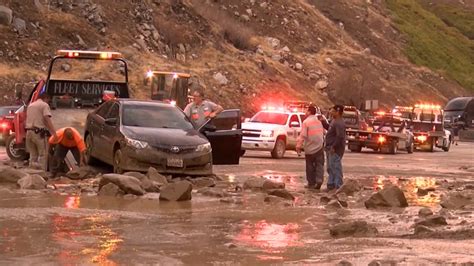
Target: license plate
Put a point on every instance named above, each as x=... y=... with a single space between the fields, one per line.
x=175 y=162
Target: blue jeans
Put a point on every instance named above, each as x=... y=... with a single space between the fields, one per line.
x=334 y=170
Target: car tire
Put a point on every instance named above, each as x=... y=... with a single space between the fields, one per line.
x=279 y=149
x=431 y=143
x=446 y=149
x=89 y=146
x=393 y=149
x=15 y=154
x=118 y=157
x=356 y=149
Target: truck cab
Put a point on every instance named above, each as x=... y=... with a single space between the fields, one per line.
x=274 y=129
x=169 y=87
x=73 y=94
x=428 y=128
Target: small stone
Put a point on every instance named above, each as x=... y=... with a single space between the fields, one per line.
x=298 y=66
x=19 y=25
x=354 y=228
x=245 y=18
x=329 y=61
x=230 y=245
x=282 y=193
x=111 y=190
x=425 y=212
x=334 y=204
x=344 y=263
x=321 y=84
x=421 y=229
x=220 y=78
x=66 y=67
x=179 y=191
x=433 y=220
x=390 y=196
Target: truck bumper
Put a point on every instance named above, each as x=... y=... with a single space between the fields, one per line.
x=258 y=144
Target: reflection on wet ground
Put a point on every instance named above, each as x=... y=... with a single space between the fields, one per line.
x=410 y=187
x=44 y=228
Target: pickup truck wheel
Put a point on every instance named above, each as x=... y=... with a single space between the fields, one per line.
x=431 y=143
x=446 y=148
x=393 y=149
x=118 y=162
x=89 y=147
x=280 y=148
x=356 y=149
x=15 y=153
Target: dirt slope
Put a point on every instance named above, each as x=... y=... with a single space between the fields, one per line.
x=320 y=50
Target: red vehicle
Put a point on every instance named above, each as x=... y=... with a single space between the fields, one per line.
x=72 y=98
x=7 y=114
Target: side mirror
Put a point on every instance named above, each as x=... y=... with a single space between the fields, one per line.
x=294 y=124
x=111 y=121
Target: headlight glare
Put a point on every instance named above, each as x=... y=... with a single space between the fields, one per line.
x=204 y=147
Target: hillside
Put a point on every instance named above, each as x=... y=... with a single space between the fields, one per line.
x=343 y=51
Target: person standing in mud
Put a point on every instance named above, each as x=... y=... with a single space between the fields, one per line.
x=312 y=135
x=335 y=147
x=38 y=127
x=200 y=110
x=68 y=139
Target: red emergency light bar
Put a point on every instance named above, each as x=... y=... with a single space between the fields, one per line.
x=89 y=54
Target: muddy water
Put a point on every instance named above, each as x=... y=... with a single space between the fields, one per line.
x=40 y=228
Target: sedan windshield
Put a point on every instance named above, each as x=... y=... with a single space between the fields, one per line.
x=155 y=116
x=270 y=118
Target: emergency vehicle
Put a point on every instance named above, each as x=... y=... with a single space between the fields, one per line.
x=274 y=129
x=71 y=99
x=428 y=128
x=169 y=87
x=388 y=134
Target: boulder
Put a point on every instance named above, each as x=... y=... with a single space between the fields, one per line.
x=349 y=187
x=273 y=199
x=153 y=175
x=273 y=42
x=282 y=193
x=179 y=191
x=433 y=220
x=147 y=184
x=334 y=204
x=220 y=78
x=457 y=201
x=421 y=229
x=110 y=190
x=324 y=200
x=128 y=184
x=32 y=182
x=203 y=182
x=270 y=184
x=321 y=84
x=382 y=263
x=6 y=16
x=298 y=66
x=66 y=67
x=354 y=228
x=425 y=212
x=344 y=263
x=81 y=173
x=390 y=196
x=213 y=192
x=19 y=24
x=10 y=175
x=254 y=183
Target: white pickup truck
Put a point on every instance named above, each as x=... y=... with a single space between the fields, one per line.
x=272 y=130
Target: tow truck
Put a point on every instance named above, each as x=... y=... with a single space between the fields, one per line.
x=388 y=134
x=72 y=99
x=428 y=128
x=353 y=118
x=274 y=129
x=170 y=87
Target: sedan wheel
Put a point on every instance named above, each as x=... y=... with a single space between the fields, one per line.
x=118 y=162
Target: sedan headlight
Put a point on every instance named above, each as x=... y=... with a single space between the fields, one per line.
x=267 y=133
x=137 y=143
x=204 y=147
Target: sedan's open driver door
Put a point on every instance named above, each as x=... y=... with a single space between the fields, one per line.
x=224 y=132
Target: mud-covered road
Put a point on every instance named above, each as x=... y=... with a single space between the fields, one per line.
x=240 y=227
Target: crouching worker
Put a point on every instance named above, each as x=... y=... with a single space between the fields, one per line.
x=68 y=139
